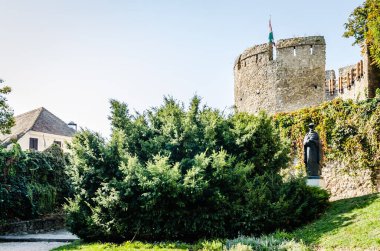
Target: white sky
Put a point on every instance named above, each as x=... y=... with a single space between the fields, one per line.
x=72 y=56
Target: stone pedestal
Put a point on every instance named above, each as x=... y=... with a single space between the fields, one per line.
x=315 y=181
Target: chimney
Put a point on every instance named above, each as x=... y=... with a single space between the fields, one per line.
x=72 y=125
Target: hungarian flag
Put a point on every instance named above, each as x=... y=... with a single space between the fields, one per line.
x=271 y=38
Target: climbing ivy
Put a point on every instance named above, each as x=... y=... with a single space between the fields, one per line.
x=32 y=183
x=349 y=131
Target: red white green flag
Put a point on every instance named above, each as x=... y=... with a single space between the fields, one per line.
x=271 y=38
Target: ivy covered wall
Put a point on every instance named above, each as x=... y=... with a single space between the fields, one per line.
x=32 y=184
x=350 y=136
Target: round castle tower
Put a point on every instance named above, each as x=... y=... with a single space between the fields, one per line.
x=294 y=79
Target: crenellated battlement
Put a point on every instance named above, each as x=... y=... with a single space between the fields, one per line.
x=299 y=46
x=348 y=77
x=296 y=77
x=358 y=81
x=258 y=54
x=254 y=50
x=277 y=84
x=300 y=41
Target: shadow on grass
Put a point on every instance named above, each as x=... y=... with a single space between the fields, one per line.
x=335 y=217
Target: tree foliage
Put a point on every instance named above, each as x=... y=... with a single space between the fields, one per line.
x=364 y=25
x=6 y=112
x=32 y=183
x=184 y=173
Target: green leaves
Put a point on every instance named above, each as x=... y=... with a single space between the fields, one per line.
x=356 y=25
x=6 y=112
x=364 y=25
x=176 y=173
x=32 y=183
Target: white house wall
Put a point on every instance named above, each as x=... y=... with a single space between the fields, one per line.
x=44 y=140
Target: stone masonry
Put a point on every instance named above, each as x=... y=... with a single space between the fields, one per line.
x=357 y=82
x=296 y=78
x=343 y=182
x=293 y=80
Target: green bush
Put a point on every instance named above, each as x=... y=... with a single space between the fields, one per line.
x=172 y=173
x=42 y=198
x=32 y=183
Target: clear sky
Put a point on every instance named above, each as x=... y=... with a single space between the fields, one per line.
x=72 y=56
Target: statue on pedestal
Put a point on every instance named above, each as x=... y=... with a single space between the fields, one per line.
x=312 y=146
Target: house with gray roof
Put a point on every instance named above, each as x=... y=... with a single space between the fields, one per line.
x=37 y=130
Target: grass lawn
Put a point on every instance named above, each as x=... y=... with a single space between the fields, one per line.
x=349 y=224
x=127 y=246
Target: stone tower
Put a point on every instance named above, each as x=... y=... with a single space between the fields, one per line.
x=294 y=79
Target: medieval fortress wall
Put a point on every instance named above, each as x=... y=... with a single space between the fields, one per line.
x=292 y=80
x=350 y=83
x=296 y=77
x=300 y=73
x=254 y=70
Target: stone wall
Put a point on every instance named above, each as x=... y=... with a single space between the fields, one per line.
x=289 y=82
x=330 y=87
x=296 y=78
x=254 y=72
x=343 y=182
x=357 y=82
x=34 y=226
x=351 y=82
x=300 y=73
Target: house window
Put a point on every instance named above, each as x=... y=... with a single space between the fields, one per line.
x=58 y=143
x=33 y=144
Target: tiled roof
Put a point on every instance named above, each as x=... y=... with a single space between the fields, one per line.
x=39 y=120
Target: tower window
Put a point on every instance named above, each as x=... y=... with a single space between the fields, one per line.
x=311 y=50
x=294 y=51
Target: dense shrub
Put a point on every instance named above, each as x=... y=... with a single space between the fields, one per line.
x=182 y=174
x=31 y=183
